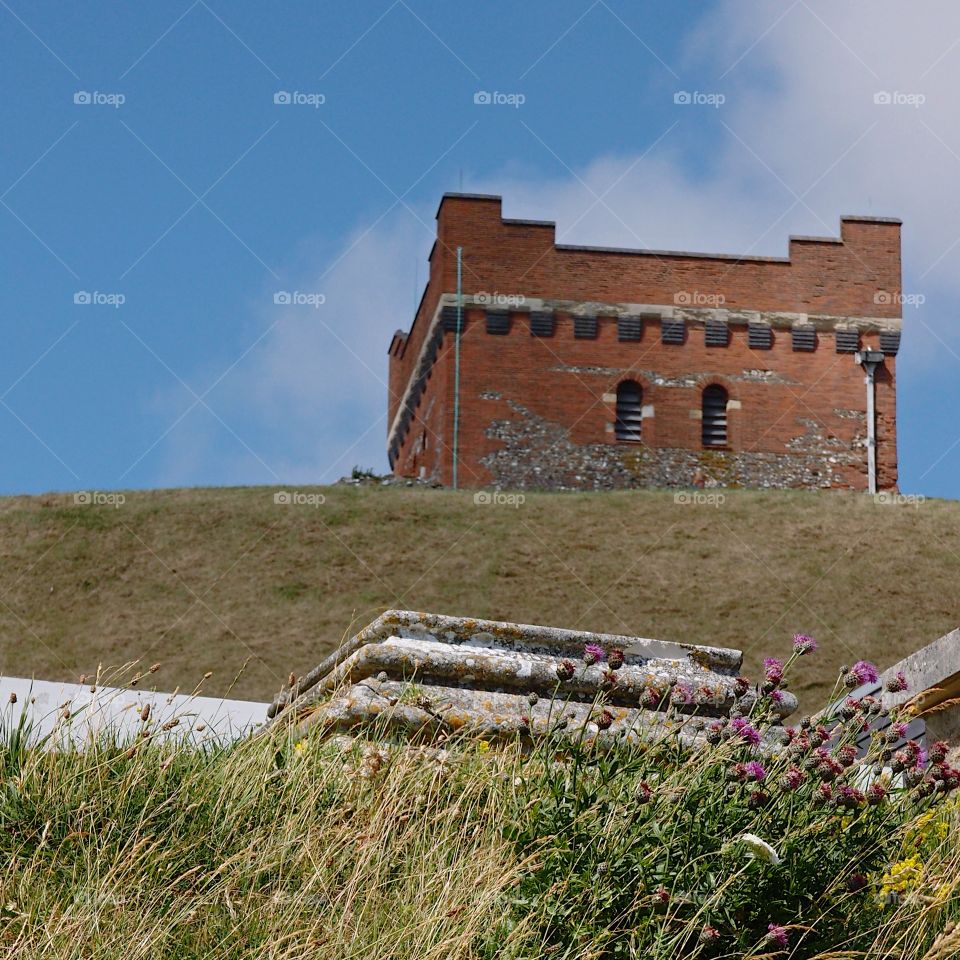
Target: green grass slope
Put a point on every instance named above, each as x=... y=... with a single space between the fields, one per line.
x=226 y=580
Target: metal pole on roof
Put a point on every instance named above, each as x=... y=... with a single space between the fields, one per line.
x=456 y=367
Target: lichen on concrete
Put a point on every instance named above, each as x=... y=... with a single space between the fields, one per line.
x=433 y=673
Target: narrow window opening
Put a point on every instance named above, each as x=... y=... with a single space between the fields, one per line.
x=714 y=420
x=629 y=412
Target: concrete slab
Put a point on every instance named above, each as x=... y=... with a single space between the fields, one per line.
x=78 y=712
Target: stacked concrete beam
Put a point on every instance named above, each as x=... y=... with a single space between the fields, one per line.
x=421 y=671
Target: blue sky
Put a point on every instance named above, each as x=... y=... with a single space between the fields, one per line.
x=187 y=206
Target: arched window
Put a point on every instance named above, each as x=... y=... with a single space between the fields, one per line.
x=629 y=411
x=714 y=420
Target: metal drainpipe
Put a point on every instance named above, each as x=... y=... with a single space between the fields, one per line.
x=456 y=368
x=871 y=433
x=870 y=360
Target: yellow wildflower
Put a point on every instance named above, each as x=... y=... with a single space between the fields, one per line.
x=902 y=877
x=299 y=747
x=483 y=746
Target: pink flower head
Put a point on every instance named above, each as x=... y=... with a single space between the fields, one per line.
x=754 y=770
x=773 y=669
x=777 y=934
x=681 y=694
x=864 y=672
x=803 y=644
x=744 y=729
x=792 y=779
x=593 y=653
x=897 y=683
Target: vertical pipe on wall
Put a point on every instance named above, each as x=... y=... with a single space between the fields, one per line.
x=870 y=360
x=871 y=429
x=456 y=368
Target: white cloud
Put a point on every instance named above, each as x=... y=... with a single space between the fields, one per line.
x=308 y=401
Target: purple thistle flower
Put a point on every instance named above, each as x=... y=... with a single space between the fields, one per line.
x=605 y=720
x=847 y=755
x=897 y=683
x=939 y=751
x=776 y=696
x=681 y=694
x=803 y=644
x=899 y=728
x=773 y=669
x=777 y=934
x=593 y=653
x=876 y=793
x=651 y=697
x=862 y=672
x=743 y=729
x=792 y=779
x=849 y=796
x=754 y=770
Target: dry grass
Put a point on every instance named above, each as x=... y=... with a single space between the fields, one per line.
x=210 y=579
x=177 y=855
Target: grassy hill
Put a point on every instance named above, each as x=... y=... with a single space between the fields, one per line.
x=226 y=580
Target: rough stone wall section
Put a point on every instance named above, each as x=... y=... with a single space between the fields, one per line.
x=535 y=454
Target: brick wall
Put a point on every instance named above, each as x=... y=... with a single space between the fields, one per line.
x=539 y=412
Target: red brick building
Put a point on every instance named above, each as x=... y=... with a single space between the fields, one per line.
x=594 y=368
